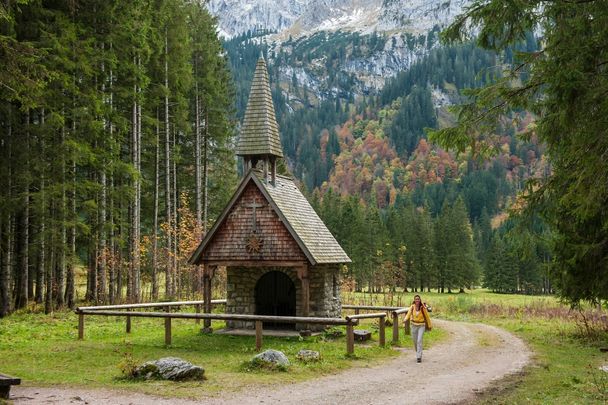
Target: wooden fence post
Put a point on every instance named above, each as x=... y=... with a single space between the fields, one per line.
x=80 y=326
x=381 y=332
x=356 y=311
x=167 y=331
x=407 y=328
x=258 y=335
x=395 y=328
x=350 y=339
x=128 y=321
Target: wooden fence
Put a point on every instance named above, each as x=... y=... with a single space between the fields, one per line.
x=349 y=321
x=395 y=312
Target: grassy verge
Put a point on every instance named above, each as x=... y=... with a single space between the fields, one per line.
x=567 y=356
x=43 y=350
x=565 y=367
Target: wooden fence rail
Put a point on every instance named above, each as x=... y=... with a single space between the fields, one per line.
x=395 y=312
x=381 y=323
x=359 y=308
x=258 y=319
x=349 y=321
x=406 y=325
x=150 y=305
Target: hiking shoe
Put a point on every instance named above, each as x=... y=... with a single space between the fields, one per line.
x=418 y=360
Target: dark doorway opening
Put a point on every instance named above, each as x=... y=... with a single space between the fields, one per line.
x=275 y=294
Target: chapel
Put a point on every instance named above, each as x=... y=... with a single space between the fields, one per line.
x=280 y=258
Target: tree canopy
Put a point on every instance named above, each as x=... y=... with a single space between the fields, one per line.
x=564 y=83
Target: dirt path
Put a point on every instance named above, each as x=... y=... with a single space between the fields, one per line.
x=472 y=358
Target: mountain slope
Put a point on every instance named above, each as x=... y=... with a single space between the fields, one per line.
x=305 y=17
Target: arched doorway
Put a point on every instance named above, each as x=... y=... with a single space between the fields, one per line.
x=275 y=294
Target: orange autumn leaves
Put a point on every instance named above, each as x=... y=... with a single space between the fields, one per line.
x=370 y=167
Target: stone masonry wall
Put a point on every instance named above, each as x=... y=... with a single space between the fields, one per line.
x=324 y=292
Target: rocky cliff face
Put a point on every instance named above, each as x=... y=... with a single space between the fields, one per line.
x=305 y=17
x=341 y=48
x=238 y=16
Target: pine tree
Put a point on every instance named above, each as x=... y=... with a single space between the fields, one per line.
x=564 y=85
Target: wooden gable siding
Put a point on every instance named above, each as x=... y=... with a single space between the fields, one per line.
x=230 y=239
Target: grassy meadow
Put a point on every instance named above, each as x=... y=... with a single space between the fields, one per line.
x=43 y=350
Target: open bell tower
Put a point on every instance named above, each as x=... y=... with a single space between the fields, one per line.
x=260 y=141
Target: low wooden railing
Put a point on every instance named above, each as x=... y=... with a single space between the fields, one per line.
x=166 y=305
x=152 y=305
x=394 y=311
x=349 y=321
x=258 y=319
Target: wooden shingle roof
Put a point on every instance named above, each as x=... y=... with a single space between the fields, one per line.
x=308 y=230
x=305 y=225
x=260 y=131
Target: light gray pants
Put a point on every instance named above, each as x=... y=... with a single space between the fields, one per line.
x=417 y=334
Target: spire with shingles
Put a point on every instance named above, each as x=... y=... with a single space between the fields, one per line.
x=260 y=132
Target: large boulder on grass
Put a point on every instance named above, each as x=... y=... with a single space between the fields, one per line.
x=271 y=359
x=169 y=368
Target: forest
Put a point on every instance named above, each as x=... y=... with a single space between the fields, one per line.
x=115 y=141
x=383 y=188
x=117 y=124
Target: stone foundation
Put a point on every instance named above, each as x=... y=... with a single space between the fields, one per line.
x=324 y=292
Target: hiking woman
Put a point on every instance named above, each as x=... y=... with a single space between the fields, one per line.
x=419 y=322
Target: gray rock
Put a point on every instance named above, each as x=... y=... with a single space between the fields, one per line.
x=169 y=368
x=271 y=357
x=308 y=356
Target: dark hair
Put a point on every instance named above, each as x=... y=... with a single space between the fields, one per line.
x=414 y=302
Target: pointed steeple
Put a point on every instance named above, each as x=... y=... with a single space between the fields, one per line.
x=260 y=137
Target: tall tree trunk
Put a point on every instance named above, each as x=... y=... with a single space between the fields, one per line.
x=118 y=251
x=21 y=296
x=112 y=248
x=138 y=193
x=134 y=282
x=168 y=214
x=5 y=266
x=155 y=219
x=102 y=283
x=41 y=242
x=49 y=277
x=196 y=282
x=176 y=269
x=206 y=173
x=70 y=282
x=61 y=268
x=103 y=258
x=41 y=221
x=197 y=154
x=6 y=242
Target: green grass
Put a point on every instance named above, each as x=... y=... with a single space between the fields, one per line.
x=565 y=368
x=454 y=303
x=43 y=350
